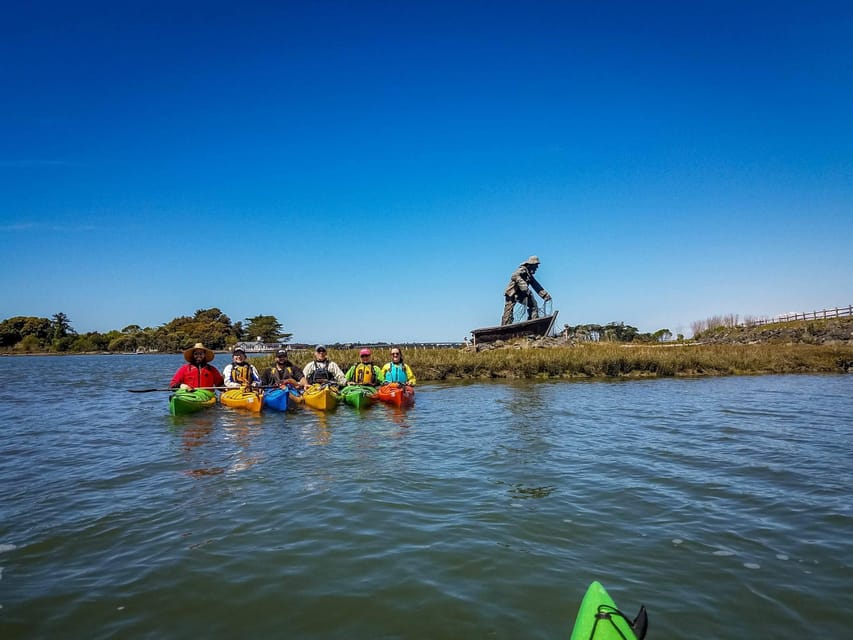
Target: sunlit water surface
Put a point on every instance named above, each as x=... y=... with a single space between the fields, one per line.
x=724 y=505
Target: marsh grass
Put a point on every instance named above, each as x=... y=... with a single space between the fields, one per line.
x=604 y=360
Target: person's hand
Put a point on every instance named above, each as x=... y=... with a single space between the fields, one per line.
x=185 y=387
x=545 y=295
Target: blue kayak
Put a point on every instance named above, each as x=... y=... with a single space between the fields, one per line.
x=282 y=399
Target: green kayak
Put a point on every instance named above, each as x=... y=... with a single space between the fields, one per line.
x=185 y=401
x=599 y=619
x=358 y=396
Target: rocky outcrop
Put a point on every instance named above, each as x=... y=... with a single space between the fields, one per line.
x=832 y=332
x=837 y=331
x=531 y=342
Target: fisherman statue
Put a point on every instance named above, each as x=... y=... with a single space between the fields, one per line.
x=519 y=290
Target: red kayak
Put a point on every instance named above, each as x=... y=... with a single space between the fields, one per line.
x=400 y=395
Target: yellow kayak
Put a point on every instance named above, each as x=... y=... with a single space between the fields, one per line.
x=321 y=396
x=243 y=399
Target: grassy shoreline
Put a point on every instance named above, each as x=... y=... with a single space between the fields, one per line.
x=608 y=360
x=590 y=361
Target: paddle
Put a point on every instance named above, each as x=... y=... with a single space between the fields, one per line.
x=194 y=389
x=150 y=390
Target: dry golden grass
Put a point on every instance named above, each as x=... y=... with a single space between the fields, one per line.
x=605 y=360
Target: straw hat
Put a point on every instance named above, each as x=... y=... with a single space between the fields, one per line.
x=209 y=355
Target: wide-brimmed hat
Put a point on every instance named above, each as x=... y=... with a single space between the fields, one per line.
x=208 y=353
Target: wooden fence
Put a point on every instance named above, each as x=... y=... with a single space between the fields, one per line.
x=823 y=314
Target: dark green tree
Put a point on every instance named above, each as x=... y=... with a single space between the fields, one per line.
x=619 y=332
x=210 y=326
x=267 y=327
x=92 y=341
x=60 y=326
x=662 y=335
x=37 y=331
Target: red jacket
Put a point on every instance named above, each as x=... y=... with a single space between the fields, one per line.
x=204 y=376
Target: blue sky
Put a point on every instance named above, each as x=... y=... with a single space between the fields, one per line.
x=376 y=170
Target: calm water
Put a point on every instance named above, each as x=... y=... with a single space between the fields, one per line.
x=724 y=505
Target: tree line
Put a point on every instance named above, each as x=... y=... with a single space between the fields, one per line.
x=27 y=334
x=615 y=332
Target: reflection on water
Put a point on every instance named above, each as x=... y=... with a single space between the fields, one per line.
x=244 y=457
x=196 y=431
x=316 y=429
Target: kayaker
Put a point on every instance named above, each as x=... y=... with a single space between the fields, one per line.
x=364 y=372
x=397 y=370
x=518 y=290
x=320 y=369
x=197 y=372
x=239 y=373
x=282 y=373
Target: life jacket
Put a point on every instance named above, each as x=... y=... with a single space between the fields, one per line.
x=364 y=374
x=241 y=373
x=320 y=373
x=197 y=376
x=396 y=373
x=283 y=374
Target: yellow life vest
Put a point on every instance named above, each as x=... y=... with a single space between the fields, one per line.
x=364 y=374
x=241 y=373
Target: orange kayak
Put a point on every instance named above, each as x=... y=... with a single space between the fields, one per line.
x=400 y=395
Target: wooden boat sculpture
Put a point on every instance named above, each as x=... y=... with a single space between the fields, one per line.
x=540 y=326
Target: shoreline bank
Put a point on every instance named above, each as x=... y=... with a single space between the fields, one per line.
x=528 y=360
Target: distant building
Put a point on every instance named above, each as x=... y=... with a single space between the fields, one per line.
x=258 y=346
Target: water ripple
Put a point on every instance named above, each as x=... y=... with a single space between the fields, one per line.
x=484 y=511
